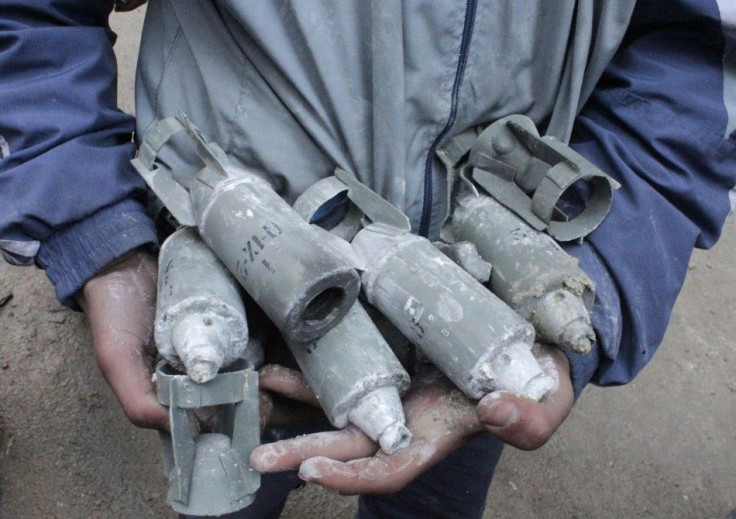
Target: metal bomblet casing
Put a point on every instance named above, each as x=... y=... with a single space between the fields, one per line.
x=358 y=379
x=531 y=272
x=280 y=261
x=210 y=473
x=468 y=333
x=473 y=337
x=515 y=194
x=200 y=318
x=352 y=370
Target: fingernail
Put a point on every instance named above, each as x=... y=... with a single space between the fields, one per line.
x=258 y=462
x=309 y=470
x=266 y=370
x=264 y=458
x=501 y=413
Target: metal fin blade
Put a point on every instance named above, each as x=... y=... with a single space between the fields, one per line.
x=172 y=195
x=371 y=203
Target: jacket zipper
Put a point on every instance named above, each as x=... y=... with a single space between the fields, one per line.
x=470 y=10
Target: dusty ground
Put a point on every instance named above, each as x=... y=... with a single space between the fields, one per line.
x=661 y=447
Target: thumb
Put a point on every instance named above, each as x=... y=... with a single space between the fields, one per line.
x=523 y=422
x=516 y=420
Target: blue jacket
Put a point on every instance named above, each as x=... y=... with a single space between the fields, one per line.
x=660 y=120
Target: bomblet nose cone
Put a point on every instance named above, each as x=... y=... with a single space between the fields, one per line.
x=562 y=319
x=578 y=336
x=379 y=415
x=202 y=370
x=394 y=438
x=515 y=369
x=200 y=342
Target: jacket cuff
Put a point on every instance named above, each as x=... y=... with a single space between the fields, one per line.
x=73 y=254
x=606 y=318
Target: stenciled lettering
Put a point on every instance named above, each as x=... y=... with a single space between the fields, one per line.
x=255 y=245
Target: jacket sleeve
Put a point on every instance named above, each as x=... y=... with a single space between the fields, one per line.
x=661 y=122
x=69 y=199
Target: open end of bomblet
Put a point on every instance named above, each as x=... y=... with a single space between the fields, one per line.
x=580 y=207
x=322 y=305
x=394 y=438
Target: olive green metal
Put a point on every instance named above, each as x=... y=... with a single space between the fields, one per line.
x=358 y=379
x=160 y=179
x=330 y=196
x=531 y=272
x=210 y=474
x=468 y=333
x=472 y=336
x=529 y=175
x=280 y=261
x=200 y=318
x=284 y=265
x=352 y=370
x=466 y=255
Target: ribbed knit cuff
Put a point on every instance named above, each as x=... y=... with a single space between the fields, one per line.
x=74 y=254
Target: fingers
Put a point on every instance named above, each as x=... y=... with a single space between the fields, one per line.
x=287 y=397
x=440 y=417
x=518 y=421
x=120 y=305
x=377 y=475
x=286 y=382
x=265 y=408
x=124 y=367
x=345 y=444
x=522 y=422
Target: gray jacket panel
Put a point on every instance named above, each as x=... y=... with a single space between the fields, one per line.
x=297 y=88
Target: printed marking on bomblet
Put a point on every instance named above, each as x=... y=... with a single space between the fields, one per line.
x=254 y=246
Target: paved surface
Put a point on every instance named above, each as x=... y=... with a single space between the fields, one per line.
x=661 y=447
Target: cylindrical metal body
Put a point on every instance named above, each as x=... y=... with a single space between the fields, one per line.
x=200 y=319
x=531 y=272
x=291 y=274
x=346 y=367
x=456 y=322
x=210 y=473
